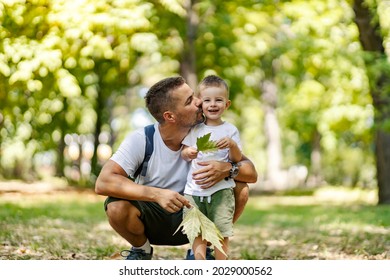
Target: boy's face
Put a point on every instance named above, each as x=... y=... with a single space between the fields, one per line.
x=214 y=101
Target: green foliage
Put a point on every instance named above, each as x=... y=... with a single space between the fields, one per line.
x=61 y=65
x=204 y=144
x=76 y=67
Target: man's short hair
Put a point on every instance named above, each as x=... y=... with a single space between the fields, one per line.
x=158 y=98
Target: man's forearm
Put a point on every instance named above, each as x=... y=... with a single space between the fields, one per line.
x=215 y=171
x=113 y=181
x=247 y=172
x=122 y=187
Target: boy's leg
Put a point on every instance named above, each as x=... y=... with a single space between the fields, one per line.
x=199 y=248
x=225 y=246
x=241 y=195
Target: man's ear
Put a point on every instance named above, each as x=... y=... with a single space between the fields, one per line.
x=169 y=116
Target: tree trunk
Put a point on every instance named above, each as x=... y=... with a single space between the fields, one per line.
x=315 y=179
x=188 y=63
x=276 y=179
x=95 y=168
x=382 y=154
x=1 y=141
x=60 y=162
x=372 y=42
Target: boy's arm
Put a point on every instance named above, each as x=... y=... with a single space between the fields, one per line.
x=189 y=153
x=235 y=154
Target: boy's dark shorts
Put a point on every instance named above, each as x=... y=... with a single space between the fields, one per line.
x=160 y=225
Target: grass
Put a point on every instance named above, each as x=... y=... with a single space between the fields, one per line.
x=58 y=226
x=331 y=223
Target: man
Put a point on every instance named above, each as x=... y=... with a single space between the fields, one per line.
x=150 y=211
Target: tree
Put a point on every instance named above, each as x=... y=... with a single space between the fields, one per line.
x=28 y=64
x=324 y=96
x=61 y=64
x=378 y=69
x=74 y=67
x=188 y=62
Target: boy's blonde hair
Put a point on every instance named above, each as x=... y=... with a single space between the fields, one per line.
x=213 y=81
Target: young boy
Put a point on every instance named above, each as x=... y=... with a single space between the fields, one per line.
x=216 y=202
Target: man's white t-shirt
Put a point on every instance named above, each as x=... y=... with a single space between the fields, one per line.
x=166 y=168
x=217 y=132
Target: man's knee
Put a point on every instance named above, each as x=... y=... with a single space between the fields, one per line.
x=120 y=210
x=241 y=194
x=124 y=218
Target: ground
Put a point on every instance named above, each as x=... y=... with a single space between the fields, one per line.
x=48 y=220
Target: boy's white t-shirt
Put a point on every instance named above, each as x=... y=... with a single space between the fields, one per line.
x=217 y=132
x=166 y=168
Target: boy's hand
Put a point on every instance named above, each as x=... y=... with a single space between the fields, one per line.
x=191 y=153
x=225 y=143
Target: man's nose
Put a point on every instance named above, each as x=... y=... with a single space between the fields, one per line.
x=198 y=101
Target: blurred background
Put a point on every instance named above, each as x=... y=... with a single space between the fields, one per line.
x=309 y=83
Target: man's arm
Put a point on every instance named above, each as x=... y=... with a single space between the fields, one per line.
x=215 y=171
x=113 y=181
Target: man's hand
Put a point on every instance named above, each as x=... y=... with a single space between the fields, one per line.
x=211 y=173
x=171 y=201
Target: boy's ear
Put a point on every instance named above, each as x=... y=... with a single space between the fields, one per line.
x=228 y=103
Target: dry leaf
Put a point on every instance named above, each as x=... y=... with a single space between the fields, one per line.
x=195 y=223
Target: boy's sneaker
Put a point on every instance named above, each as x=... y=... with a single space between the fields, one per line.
x=209 y=256
x=137 y=254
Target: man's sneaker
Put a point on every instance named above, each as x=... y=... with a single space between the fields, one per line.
x=209 y=256
x=137 y=254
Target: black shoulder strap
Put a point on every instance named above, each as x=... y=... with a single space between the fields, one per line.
x=149 y=132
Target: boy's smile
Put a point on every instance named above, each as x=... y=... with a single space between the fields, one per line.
x=214 y=103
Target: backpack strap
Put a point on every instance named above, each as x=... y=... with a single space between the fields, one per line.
x=149 y=132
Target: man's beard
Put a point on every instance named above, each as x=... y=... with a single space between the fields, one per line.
x=202 y=119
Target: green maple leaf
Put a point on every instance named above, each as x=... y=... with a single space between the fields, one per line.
x=195 y=223
x=204 y=144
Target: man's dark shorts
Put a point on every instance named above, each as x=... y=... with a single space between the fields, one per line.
x=160 y=225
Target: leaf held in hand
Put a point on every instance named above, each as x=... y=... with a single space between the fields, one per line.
x=204 y=144
x=195 y=223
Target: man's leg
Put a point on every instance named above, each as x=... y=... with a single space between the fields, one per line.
x=124 y=218
x=241 y=195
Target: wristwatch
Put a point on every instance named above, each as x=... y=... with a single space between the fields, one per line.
x=233 y=171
